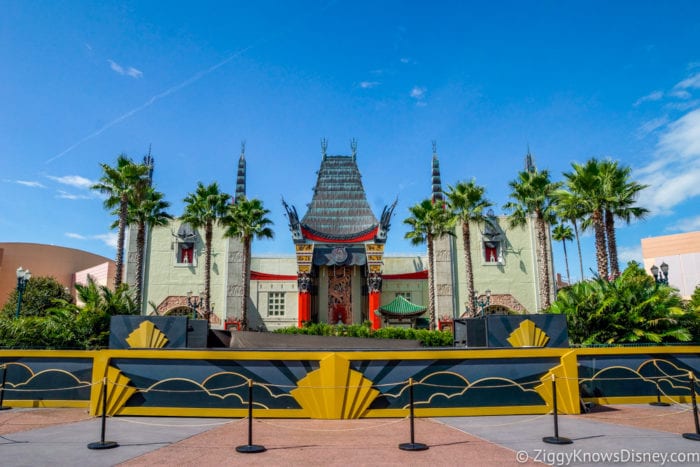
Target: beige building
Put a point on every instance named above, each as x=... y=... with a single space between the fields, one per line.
x=67 y=265
x=338 y=269
x=681 y=252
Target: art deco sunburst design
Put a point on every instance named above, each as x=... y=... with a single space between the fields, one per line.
x=528 y=335
x=334 y=391
x=118 y=391
x=147 y=336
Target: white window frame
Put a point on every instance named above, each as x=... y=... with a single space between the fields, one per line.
x=276 y=304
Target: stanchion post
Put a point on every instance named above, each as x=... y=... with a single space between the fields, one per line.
x=412 y=446
x=102 y=444
x=658 y=402
x=556 y=439
x=250 y=448
x=2 y=388
x=693 y=436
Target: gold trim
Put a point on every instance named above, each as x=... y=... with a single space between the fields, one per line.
x=147 y=336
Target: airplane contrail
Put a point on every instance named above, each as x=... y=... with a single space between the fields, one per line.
x=197 y=76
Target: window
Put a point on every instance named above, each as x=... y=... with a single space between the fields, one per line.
x=185 y=253
x=275 y=304
x=492 y=251
x=406 y=295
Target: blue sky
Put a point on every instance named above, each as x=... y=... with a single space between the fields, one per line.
x=82 y=82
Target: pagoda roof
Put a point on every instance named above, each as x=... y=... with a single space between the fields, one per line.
x=339 y=211
x=402 y=308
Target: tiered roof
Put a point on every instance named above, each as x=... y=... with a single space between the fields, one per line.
x=339 y=210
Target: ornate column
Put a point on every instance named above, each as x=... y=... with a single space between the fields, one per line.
x=374 y=283
x=304 y=282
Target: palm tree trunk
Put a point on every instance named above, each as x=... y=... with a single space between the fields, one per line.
x=468 y=267
x=140 y=248
x=612 y=243
x=246 y=282
x=208 y=234
x=431 y=282
x=600 y=249
x=541 y=233
x=578 y=244
x=123 y=206
x=566 y=262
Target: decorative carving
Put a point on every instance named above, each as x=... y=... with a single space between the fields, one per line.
x=340 y=295
x=442 y=255
x=294 y=224
x=374 y=282
x=304 y=282
x=444 y=289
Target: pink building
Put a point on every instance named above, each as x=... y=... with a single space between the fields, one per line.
x=681 y=252
x=67 y=265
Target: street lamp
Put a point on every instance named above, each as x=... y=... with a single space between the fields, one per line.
x=483 y=303
x=660 y=274
x=23 y=276
x=194 y=302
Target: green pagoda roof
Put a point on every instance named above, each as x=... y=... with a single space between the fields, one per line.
x=339 y=209
x=400 y=307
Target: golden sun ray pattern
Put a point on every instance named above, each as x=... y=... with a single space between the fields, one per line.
x=118 y=392
x=147 y=336
x=334 y=391
x=528 y=335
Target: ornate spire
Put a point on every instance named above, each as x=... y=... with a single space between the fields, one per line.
x=148 y=162
x=437 y=196
x=529 y=162
x=324 y=148
x=240 y=177
x=353 y=148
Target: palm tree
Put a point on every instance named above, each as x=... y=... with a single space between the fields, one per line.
x=568 y=208
x=428 y=222
x=563 y=233
x=246 y=220
x=533 y=196
x=146 y=209
x=116 y=183
x=584 y=183
x=621 y=195
x=467 y=202
x=204 y=208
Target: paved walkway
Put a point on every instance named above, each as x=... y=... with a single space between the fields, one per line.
x=37 y=437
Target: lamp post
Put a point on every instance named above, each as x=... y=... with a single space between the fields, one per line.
x=660 y=274
x=194 y=302
x=23 y=276
x=483 y=303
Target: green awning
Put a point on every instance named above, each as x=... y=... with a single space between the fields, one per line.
x=402 y=308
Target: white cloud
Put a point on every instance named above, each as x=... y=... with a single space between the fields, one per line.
x=680 y=93
x=76 y=236
x=109 y=239
x=418 y=92
x=131 y=71
x=685 y=225
x=73 y=180
x=674 y=174
x=651 y=125
x=653 y=96
x=31 y=184
x=65 y=195
x=683 y=136
x=369 y=84
x=629 y=253
x=692 y=82
x=134 y=73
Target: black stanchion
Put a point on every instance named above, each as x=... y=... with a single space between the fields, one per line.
x=556 y=439
x=2 y=388
x=250 y=448
x=658 y=402
x=102 y=444
x=694 y=436
x=412 y=446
